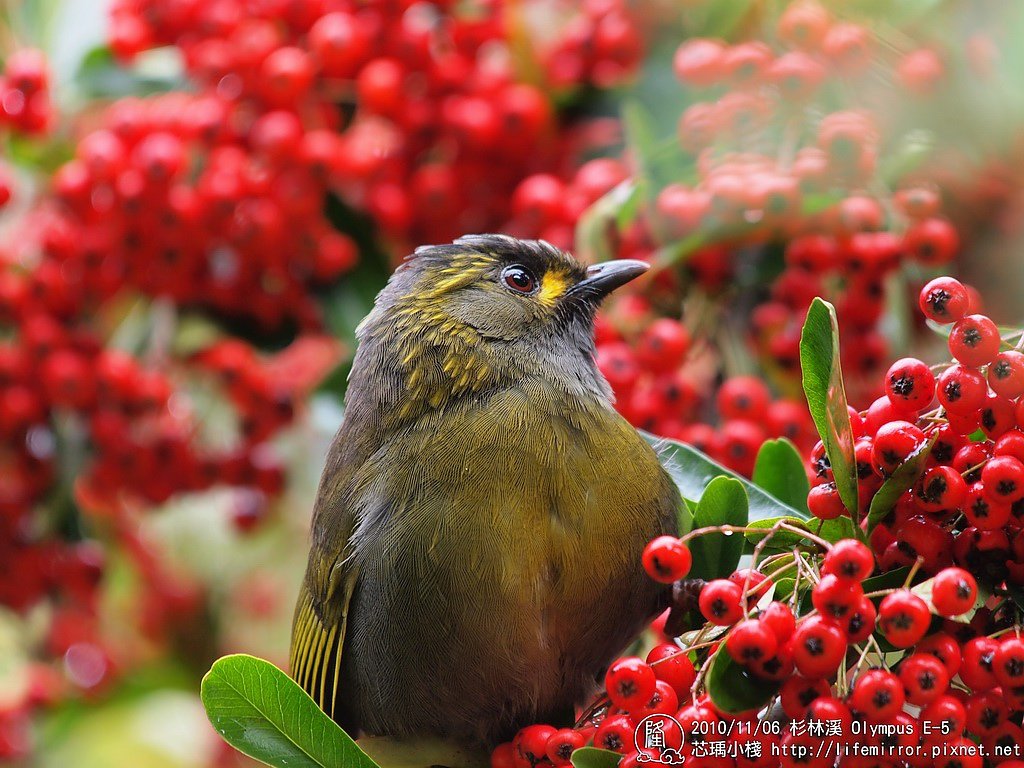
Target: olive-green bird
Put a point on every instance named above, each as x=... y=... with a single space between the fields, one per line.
x=475 y=558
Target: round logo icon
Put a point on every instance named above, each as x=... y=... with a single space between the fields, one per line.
x=659 y=739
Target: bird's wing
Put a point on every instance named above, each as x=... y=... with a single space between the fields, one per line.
x=322 y=609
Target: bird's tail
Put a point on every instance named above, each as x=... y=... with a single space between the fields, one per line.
x=316 y=653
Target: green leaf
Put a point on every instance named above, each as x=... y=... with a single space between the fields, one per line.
x=716 y=555
x=37 y=154
x=784 y=588
x=780 y=540
x=896 y=485
x=263 y=713
x=887 y=580
x=627 y=213
x=195 y=333
x=593 y=230
x=732 y=690
x=692 y=471
x=592 y=757
x=924 y=591
x=837 y=529
x=826 y=396
x=779 y=469
x=102 y=76
x=1016 y=595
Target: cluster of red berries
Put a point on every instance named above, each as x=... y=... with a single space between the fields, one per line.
x=662 y=388
x=953 y=687
x=196 y=199
x=966 y=506
x=440 y=129
x=723 y=220
x=25 y=93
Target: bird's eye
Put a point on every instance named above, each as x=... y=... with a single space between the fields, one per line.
x=519 y=279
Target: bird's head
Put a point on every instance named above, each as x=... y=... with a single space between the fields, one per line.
x=488 y=308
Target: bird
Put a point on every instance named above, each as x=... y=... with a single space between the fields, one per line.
x=476 y=540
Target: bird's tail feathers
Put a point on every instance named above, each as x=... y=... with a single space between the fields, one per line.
x=316 y=654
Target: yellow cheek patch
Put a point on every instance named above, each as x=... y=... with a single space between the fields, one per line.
x=552 y=287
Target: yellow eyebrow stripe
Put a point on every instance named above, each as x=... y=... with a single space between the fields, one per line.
x=552 y=287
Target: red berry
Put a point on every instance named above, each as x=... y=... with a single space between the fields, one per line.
x=940 y=489
x=945 y=300
x=877 y=694
x=699 y=62
x=1003 y=479
x=630 y=682
x=932 y=241
x=751 y=641
x=976 y=667
x=893 y=444
x=985 y=712
x=780 y=620
x=504 y=756
x=672 y=664
x=666 y=559
x=1006 y=374
x=974 y=341
x=778 y=667
x=744 y=398
x=798 y=693
x=720 y=602
x=849 y=559
x=756 y=583
x=818 y=647
x=1008 y=662
x=982 y=512
x=954 y=591
x=859 y=623
x=943 y=647
x=835 y=598
x=961 y=390
x=924 y=677
x=946 y=718
x=903 y=618
x=824 y=502
x=562 y=743
x=665 y=701
x=804 y=25
x=910 y=384
x=615 y=734
x=663 y=345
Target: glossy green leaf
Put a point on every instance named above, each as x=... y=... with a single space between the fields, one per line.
x=826 y=396
x=779 y=469
x=896 y=485
x=780 y=540
x=263 y=713
x=837 y=529
x=784 y=588
x=732 y=690
x=692 y=471
x=716 y=555
x=592 y=757
x=887 y=580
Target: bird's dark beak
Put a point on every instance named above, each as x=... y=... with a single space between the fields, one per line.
x=604 y=278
